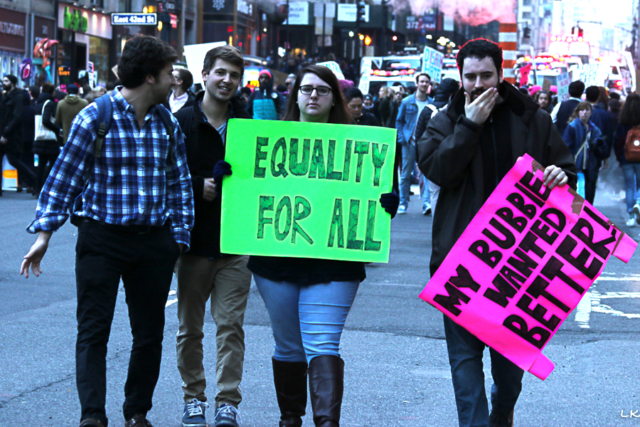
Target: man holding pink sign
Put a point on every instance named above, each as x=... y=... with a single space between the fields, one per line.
x=467 y=150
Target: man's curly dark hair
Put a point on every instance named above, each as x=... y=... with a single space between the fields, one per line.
x=143 y=56
x=480 y=48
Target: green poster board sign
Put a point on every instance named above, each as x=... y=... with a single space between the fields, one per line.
x=307 y=190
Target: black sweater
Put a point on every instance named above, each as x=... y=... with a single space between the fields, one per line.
x=204 y=149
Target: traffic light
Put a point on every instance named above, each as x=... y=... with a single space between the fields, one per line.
x=580 y=32
x=526 y=33
x=361 y=12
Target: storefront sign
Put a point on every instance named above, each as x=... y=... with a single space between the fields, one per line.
x=43 y=28
x=84 y=21
x=307 y=190
x=174 y=20
x=134 y=19
x=74 y=21
x=12 y=29
x=523 y=264
x=298 y=13
x=349 y=12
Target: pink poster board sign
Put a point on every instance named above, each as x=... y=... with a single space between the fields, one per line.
x=523 y=264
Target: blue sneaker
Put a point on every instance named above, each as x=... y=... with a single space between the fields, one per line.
x=227 y=416
x=193 y=415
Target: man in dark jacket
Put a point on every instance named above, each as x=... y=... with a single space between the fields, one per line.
x=602 y=120
x=563 y=110
x=266 y=103
x=28 y=128
x=467 y=149
x=11 y=145
x=204 y=272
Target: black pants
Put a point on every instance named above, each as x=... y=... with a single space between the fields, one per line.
x=45 y=163
x=145 y=263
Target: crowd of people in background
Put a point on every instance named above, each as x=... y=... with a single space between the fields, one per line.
x=591 y=113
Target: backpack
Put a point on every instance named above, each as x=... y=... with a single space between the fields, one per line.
x=103 y=123
x=632 y=145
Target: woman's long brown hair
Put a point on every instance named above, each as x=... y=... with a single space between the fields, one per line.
x=338 y=113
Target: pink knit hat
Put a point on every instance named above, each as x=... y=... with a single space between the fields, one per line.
x=534 y=89
x=265 y=71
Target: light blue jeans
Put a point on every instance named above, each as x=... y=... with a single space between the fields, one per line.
x=408 y=166
x=631 y=173
x=307 y=321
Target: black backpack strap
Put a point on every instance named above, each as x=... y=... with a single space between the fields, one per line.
x=103 y=122
x=165 y=117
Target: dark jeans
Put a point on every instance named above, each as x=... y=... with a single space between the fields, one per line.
x=24 y=173
x=465 y=358
x=27 y=155
x=45 y=163
x=145 y=263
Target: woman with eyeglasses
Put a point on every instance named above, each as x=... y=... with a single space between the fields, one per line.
x=308 y=300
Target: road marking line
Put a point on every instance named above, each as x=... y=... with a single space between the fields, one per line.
x=170 y=302
x=394 y=284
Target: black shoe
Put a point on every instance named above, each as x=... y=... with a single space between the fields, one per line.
x=290 y=379
x=138 y=420
x=501 y=419
x=91 y=422
x=326 y=384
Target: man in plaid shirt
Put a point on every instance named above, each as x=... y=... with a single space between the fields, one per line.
x=135 y=220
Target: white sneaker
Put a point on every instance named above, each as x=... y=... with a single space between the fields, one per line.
x=402 y=209
x=631 y=222
x=426 y=209
x=227 y=416
x=636 y=211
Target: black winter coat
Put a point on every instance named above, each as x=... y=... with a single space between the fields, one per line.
x=28 y=120
x=449 y=155
x=367 y=119
x=11 y=107
x=204 y=149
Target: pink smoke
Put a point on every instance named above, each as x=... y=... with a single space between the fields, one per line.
x=472 y=12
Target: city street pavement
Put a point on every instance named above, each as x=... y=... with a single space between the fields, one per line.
x=397 y=372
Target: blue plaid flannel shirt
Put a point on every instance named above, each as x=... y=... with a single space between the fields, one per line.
x=132 y=183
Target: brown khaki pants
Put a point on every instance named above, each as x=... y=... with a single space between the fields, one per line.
x=227 y=282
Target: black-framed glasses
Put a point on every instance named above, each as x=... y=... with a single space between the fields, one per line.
x=308 y=90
